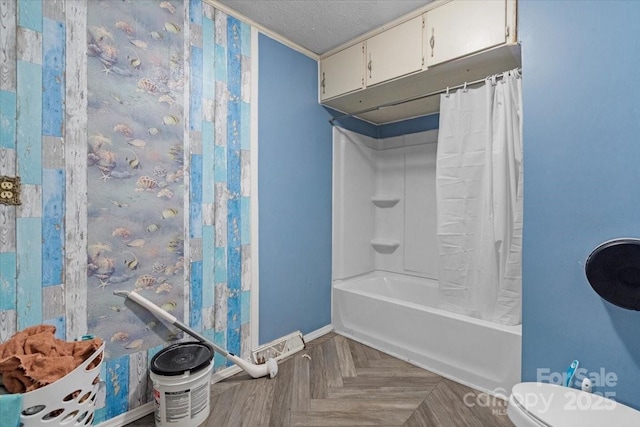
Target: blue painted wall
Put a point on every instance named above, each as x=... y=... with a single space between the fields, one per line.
x=414 y=125
x=294 y=157
x=582 y=175
x=353 y=124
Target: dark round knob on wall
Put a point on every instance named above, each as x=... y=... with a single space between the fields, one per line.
x=613 y=270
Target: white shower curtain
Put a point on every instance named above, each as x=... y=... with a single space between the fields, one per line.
x=479 y=200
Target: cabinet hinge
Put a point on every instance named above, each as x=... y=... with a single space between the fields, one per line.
x=506 y=33
x=423 y=22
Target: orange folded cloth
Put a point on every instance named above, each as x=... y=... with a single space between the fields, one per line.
x=34 y=358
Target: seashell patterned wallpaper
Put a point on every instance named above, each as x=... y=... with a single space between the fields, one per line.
x=133 y=145
x=136 y=164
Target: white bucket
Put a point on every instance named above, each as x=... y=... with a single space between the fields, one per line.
x=181 y=376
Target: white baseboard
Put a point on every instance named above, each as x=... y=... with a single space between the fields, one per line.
x=225 y=373
x=147 y=408
x=129 y=416
x=318 y=333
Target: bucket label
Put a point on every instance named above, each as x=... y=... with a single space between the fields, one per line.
x=199 y=399
x=184 y=401
x=156 y=399
x=177 y=403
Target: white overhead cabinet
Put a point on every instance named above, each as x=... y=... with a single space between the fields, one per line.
x=460 y=28
x=342 y=72
x=445 y=45
x=395 y=52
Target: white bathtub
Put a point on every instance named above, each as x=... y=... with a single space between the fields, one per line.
x=394 y=313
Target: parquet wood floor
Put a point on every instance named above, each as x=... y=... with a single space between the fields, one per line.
x=336 y=381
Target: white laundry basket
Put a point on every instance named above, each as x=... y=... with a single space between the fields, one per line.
x=70 y=401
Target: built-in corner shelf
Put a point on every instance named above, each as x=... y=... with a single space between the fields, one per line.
x=385 y=201
x=385 y=246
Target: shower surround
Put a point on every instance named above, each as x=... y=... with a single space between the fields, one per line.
x=385 y=265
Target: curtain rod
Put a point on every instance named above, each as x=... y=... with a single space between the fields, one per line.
x=418 y=97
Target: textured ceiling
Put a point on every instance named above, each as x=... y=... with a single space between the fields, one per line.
x=321 y=25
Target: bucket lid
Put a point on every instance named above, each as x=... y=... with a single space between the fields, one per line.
x=180 y=358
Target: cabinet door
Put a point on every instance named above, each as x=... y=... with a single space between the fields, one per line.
x=395 y=52
x=342 y=72
x=461 y=28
